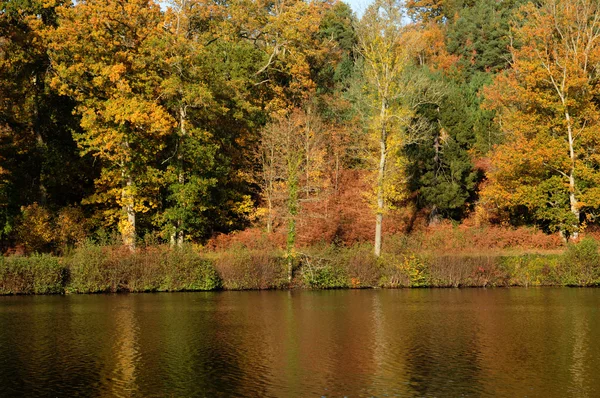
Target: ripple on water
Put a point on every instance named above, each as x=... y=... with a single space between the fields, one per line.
x=504 y=342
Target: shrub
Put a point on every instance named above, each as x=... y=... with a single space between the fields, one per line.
x=403 y=271
x=362 y=266
x=450 y=271
x=447 y=238
x=241 y=268
x=35 y=229
x=96 y=269
x=329 y=276
x=415 y=268
x=332 y=267
x=530 y=270
x=184 y=269
x=38 y=274
x=472 y=271
x=70 y=228
x=580 y=264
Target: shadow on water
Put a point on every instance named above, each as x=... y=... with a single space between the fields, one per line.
x=423 y=342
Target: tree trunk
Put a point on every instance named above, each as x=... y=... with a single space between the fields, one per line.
x=128 y=229
x=41 y=145
x=292 y=212
x=42 y=150
x=181 y=176
x=269 y=214
x=380 y=177
x=572 y=198
x=293 y=185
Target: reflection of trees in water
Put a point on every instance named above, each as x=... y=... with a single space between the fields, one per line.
x=187 y=345
x=442 y=355
x=585 y=352
x=125 y=349
x=389 y=350
x=505 y=342
x=579 y=366
x=341 y=332
x=537 y=341
x=290 y=342
x=47 y=348
x=229 y=359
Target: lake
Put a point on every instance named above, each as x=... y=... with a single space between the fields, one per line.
x=537 y=342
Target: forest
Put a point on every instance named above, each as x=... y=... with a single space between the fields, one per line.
x=297 y=123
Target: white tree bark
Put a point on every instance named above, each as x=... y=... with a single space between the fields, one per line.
x=380 y=180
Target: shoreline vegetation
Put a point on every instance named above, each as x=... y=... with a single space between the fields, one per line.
x=406 y=262
x=203 y=145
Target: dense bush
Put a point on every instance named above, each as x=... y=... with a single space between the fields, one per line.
x=327 y=276
x=39 y=230
x=580 y=264
x=333 y=267
x=459 y=239
x=362 y=266
x=184 y=269
x=240 y=268
x=531 y=270
x=37 y=274
x=95 y=269
x=34 y=229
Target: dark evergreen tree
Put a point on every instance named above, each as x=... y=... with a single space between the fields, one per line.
x=440 y=168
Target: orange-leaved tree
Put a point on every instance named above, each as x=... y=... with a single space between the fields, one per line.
x=547 y=106
x=102 y=55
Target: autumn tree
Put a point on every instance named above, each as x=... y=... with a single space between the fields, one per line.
x=547 y=103
x=102 y=55
x=292 y=48
x=292 y=157
x=426 y=10
x=39 y=160
x=438 y=11
x=186 y=91
x=385 y=44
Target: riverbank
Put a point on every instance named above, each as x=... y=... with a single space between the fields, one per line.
x=109 y=269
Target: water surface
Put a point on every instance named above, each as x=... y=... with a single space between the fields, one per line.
x=422 y=342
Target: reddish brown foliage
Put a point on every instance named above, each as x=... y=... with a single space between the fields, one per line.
x=345 y=216
x=251 y=238
x=256 y=269
x=447 y=238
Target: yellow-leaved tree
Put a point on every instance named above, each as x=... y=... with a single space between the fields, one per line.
x=102 y=56
x=387 y=46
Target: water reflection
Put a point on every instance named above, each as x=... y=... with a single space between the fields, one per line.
x=125 y=350
x=510 y=342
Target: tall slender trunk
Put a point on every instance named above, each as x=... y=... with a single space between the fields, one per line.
x=434 y=217
x=270 y=214
x=337 y=171
x=43 y=192
x=307 y=153
x=178 y=235
x=127 y=225
x=41 y=144
x=380 y=177
x=128 y=229
x=293 y=185
x=572 y=198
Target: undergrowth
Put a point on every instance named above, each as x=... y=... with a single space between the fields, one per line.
x=101 y=269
